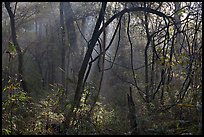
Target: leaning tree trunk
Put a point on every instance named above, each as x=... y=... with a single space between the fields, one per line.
x=18 y=50
x=78 y=91
x=101 y=63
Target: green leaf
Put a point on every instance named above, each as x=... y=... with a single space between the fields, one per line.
x=4 y=89
x=11 y=48
x=180 y=12
x=6 y=131
x=171 y=30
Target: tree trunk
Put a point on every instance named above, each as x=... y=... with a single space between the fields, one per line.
x=62 y=44
x=72 y=38
x=146 y=62
x=132 y=114
x=177 y=18
x=101 y=65
x=69 y=20
x=19 y=52
x=78 y=91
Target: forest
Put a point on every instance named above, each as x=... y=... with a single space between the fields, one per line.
x=101 y=68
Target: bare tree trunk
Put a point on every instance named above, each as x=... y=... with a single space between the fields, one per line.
x=101 y=69
x=146 y=62
x=72 y=38
x=83 y=22
x=132 y=114
x=62 y=43
x=177 y=18
x=69 y=20
x=19 y=52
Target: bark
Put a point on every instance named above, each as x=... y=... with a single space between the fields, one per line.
x=18 y=50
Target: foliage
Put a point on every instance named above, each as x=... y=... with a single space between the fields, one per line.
x=21 y=115
x=159 y=57
x=17 y=109
x=102 y=120
x=11 y=48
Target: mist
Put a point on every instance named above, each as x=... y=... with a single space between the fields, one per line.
x=101 y=68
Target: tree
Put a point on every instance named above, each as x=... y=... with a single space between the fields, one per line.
x=18 y=50
x=94 y=52
x=62 y=42
x=95 y=36
x=78 y=92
